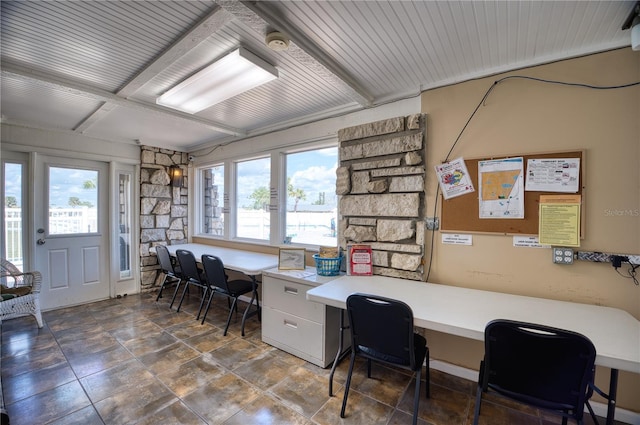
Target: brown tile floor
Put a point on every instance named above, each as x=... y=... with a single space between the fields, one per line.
x=132 y=360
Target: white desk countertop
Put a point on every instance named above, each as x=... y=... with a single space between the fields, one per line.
x=247 y=262
x=308 y=276
x=465 y=312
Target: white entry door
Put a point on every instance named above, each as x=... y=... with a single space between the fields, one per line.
x=72 y=230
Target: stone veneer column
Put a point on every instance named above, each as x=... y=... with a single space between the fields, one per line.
x=381 y=181
x=163 y=208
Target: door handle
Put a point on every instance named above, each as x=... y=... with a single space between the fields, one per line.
x=40 y=241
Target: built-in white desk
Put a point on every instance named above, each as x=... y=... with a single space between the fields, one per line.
x=465 y=312
x=250 y=263
x=247 y=262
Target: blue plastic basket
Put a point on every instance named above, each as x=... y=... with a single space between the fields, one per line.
x=327 y=266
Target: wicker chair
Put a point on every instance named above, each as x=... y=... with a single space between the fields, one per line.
x=26 y=287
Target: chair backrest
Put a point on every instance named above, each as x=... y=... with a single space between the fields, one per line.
x=188 y=266
x=7 y=272
x=539 y=365
x=214 y=271
x=162 y=252
x=7 y=268
x=11 y=276
x=382 y=326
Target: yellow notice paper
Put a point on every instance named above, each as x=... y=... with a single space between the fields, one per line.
x=559 y=220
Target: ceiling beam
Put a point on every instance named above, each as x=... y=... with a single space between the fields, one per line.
x=79 y=89
x=202 y=30
x=258 y=16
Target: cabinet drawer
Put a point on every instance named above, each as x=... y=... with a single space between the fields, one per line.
x=291 y=297
x=295 y=332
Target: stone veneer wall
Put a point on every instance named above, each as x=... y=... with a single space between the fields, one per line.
x=163 y=209
x=381 y=181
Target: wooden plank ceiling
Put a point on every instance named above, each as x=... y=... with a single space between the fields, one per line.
x=96 y=68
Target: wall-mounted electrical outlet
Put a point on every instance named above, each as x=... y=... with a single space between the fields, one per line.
x=432 y=223
x=562 y=255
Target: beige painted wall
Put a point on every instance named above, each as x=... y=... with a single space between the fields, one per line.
x=522 y=117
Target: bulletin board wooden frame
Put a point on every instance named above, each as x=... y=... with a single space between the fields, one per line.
x=461 y=214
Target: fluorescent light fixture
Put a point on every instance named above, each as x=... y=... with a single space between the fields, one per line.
x=233 y=74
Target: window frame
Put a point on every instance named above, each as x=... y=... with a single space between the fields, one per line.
x=278 y=182
x=21 y=160
x=233 y=204
x=199 y=207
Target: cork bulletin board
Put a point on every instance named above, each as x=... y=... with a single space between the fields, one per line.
x=461 y=214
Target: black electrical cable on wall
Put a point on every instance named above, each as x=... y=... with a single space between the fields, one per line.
x=482 y=102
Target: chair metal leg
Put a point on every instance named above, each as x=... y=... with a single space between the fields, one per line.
x=592 y=413
x=226 y=328
x=202 y=300
x=416 y=397
x=213 y=291
x=348 y=383
x=175 y=292
x=476 y=412
x=184 y=291
x=428 y=373
x=162 y=287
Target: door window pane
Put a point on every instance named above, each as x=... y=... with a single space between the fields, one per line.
x=311 y=216
x=253 y=219
x=13 y=219
x=213 y=201
x=124 y=224
x=73 y=201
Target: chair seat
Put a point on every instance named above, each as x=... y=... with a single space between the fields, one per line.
x=420 y=345
x=9 y=293
x=536 y=401
x=237 y=287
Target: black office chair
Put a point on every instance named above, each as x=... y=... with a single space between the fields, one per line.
x=382 y=330
x=172 y=272
x=545 y=367
x=191 y=275
x=233 y=289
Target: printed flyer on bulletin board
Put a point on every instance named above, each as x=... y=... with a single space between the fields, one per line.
x=454 y=178
x=559 y=220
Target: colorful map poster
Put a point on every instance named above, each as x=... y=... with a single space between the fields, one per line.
x=501 y=188
x=454 y=178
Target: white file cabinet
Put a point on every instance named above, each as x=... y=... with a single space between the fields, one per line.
x=303 y=328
